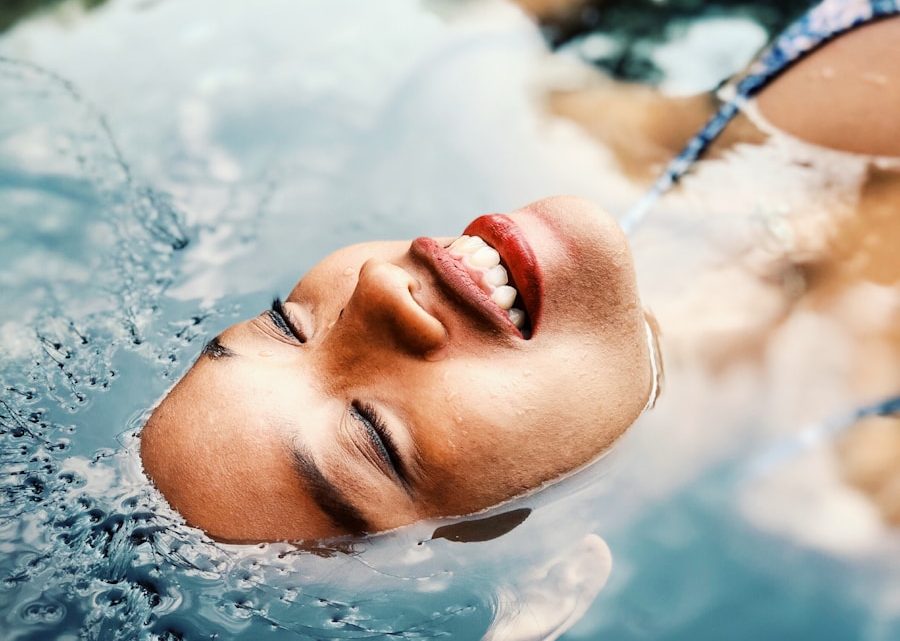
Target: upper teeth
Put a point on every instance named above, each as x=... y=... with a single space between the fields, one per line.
x=504 y=296
x=485 y=257
x=496 y=276
x=483 y=263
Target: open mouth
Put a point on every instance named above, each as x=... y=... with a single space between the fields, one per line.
x=493 y=270
x=487 y=270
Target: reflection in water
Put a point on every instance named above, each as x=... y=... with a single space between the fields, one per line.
x=270 y=131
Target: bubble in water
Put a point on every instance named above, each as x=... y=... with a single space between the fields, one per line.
x=42 y=612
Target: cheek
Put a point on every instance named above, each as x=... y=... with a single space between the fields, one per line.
x=519 y=389
x=328 y=285
x=325 y=293
x=563 y=404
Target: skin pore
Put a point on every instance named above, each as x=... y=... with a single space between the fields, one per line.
x=376 y=395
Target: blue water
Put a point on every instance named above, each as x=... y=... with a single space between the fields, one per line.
x=165 y=168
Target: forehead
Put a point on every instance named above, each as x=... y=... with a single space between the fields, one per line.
x=216 y=449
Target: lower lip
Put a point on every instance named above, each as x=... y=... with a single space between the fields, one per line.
x=459 y=284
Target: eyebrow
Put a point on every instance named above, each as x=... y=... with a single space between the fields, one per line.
x=330 y=499
x=216 y=350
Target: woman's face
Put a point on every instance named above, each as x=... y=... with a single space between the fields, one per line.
x=393 y=385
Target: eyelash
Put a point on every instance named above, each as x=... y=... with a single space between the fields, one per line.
x=366 y=414
x=280 y=320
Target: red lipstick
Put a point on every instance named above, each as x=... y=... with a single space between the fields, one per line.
x=452 y=276
x=500 y=232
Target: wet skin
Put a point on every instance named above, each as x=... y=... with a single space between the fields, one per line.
x=383 y=397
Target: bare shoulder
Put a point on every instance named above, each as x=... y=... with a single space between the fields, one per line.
x=845 y=95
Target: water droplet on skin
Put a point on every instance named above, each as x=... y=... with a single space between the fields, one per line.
x=265 y=353
x=348 y=271
x=871 y=241
x=875 y=78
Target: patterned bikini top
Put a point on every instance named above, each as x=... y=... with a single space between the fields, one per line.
x=819 y=25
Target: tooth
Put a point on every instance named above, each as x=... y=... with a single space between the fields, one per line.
x=460 y=246
x=459 y=241
x=504 y=296
x=517 y=316
x=496 y=276
x=466 y=245
x=485 y=257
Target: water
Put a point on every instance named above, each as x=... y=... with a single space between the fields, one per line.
x=638 y=40
x=155 y=157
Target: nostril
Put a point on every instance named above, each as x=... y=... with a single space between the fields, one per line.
x=387 y=296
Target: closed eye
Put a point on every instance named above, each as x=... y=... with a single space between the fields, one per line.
x=283 y=321
x=380 y=437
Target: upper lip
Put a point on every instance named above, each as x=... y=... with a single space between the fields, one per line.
x=501 y=233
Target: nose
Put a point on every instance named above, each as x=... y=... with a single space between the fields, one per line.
x=383 y=307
